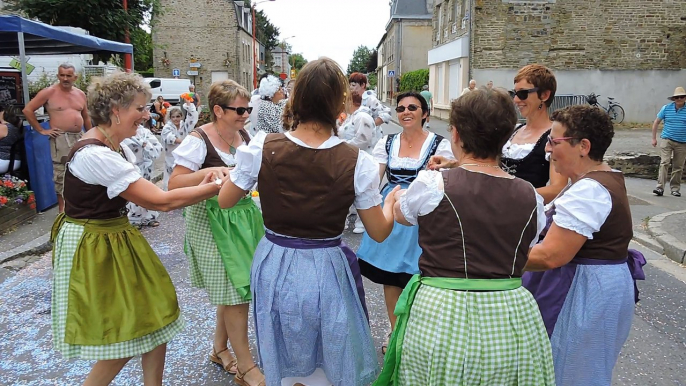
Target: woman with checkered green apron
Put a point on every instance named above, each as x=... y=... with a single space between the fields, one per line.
x=220 y=243
x=112 y=298
x=466 y=319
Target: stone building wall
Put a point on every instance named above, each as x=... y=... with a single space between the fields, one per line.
x=580 y=34
x=207 y=31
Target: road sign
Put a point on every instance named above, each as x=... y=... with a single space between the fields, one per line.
x=391 y=73
x=194 y=65
x=192 y=73
x=176 y=72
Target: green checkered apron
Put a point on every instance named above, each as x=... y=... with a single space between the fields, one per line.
x=467 y=332
x=220 y=244
x=70 y=261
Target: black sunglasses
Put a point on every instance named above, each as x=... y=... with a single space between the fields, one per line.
x=522 y=94
x=679 y=97
x=400 y=109
x=239 y=110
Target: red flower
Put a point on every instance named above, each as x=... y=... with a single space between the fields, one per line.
x=3 y=200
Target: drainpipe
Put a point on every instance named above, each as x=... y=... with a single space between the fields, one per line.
x=472 y=7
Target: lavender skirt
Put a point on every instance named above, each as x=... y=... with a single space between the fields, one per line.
x=587 y=307
x=308 y=313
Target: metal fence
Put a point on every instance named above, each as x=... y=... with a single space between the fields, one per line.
x=561 y=101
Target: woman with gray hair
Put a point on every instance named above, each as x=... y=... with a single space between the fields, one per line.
x=112 y=298
x=173 y=133
x=271 y=108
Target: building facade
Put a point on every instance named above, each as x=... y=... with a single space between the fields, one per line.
x=632 y=50
x=449 y=57
x=404 y=46
x=206 y=43
x=281 y=61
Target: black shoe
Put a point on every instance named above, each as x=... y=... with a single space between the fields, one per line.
x=676 y=194
x=658 y=191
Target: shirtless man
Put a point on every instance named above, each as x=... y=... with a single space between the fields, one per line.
x=66 y=106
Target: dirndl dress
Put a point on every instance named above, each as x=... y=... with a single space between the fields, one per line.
x=318 y=322
x=399 y=253
x=587 y=306
x=467 y=332
x=112 y=297
x=220 y=244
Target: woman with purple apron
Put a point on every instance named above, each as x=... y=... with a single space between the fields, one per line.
x=586 y=294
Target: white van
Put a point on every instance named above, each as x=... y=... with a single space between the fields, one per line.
x=170 y=89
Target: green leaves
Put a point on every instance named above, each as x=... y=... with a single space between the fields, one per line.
x=359 y=61
x=414 y=80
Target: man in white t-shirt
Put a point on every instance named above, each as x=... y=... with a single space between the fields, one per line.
x=472 y=86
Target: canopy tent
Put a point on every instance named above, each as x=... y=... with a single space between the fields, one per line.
x=19 y=36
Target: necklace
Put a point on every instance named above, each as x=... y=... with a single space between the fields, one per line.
x=101 y=130
x=232 y=149
x=482 y=165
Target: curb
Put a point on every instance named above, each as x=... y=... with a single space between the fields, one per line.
x=674 y=248
x=647 y=241
x=42 y=244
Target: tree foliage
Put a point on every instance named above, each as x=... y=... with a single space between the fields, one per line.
x=102 y=18
x=142 y=49
x=358 y=63
x=105 y=19
x=298 y=61
x=372 y=62
x=414 y=80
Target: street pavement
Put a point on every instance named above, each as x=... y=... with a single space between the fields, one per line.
x=655 y=353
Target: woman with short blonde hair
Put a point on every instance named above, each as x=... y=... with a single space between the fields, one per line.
x=112 y=297
x=220 y=243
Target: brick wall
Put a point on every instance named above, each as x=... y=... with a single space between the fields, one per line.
x=580 y=34
x=206 y=30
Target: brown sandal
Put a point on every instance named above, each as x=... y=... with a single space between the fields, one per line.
x=231 y=367
x=241 y=382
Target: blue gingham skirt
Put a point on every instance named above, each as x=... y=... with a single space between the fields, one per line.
x=593 y=325
x=308 y=314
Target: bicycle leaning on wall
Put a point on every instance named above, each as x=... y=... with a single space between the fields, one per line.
x=614 y=109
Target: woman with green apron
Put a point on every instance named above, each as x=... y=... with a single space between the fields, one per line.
x=112 y=298
x=466 y=319
x=220 y=243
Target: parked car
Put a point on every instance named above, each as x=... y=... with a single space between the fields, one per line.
x=170 y=89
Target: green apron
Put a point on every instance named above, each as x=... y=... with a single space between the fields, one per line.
x=118 y=288
x=236 y=231
x=389 y=373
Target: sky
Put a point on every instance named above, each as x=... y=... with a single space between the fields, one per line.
x=333 y=28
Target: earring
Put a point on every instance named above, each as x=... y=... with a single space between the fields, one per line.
x=581 y=155
x=540 y=106
x=118 y=121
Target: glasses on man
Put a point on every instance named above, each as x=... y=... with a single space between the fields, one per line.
x=239 y=110
x=400 y=109
x=679 y=97
x=522 y=94
x=554 y=141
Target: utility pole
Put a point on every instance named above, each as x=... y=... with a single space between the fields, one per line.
x=128 y=63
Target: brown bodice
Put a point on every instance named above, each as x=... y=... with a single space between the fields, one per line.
x=481 y=229
x=611 y=242
x=306 y=192
x=86 y=201
x=213 y=159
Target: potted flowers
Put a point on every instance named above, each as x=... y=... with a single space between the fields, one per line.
x=17 y=202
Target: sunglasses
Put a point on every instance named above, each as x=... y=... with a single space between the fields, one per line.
x=679 y=97
x=554 y=141
x=239 y=110
x=400 y=109
x=522 y=94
